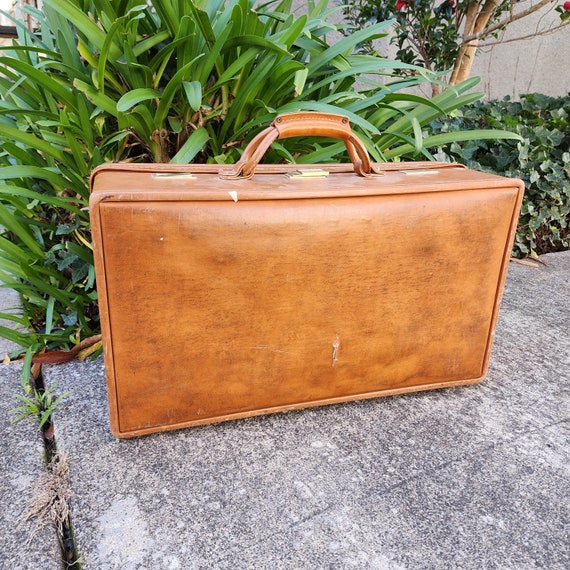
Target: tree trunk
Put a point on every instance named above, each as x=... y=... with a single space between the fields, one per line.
x=475 y=23
x=464 y=62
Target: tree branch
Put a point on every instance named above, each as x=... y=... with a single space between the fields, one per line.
x=477 y=21
x=505 y=21
x=528 y=36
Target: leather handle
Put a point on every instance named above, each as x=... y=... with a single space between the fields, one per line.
x=296 y=125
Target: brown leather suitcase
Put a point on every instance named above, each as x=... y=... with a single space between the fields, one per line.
x=230 y=292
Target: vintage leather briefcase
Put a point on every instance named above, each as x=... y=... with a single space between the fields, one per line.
x=230 y=292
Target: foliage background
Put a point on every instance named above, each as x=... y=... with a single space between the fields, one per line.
x=182 y=81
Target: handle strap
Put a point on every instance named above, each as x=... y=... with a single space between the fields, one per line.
x=302 y=124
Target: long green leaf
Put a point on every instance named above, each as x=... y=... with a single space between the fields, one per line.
x=13 y=318
x=31 y=141
x=291 y=30
x=13 y=251
x=254 y=41
x=192 y=146
x=21 y=338
x=82 y=22
x=170 y=90
x=242 y=103
x=105 y=52
x=236 y=67
x=135 y=96
x=212 y=61
x=96 y=97
x=30 y=49
x=66 y=203
x=193 y=91
x=202 y=19
x=147 y=44
x=349 y=43
x=32 y=172
x=11 y=223
x=49 y=315
x=168 y=15
x=40 y=81
x=359 y=67
x=455 y=136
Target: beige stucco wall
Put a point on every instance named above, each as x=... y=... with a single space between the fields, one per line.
x=539 y=64
x=5 y=5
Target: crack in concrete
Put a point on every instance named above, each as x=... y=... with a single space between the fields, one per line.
x=64 y=528
x=265 y=538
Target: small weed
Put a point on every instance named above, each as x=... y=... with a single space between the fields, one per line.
x=38 y=404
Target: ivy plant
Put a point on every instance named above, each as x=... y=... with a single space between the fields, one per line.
x=541 y=158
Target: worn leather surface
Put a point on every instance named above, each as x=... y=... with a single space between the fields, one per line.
x=228 y=298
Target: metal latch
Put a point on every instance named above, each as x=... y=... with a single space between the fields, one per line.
x=309 y=173
x=174 y=175
x=419 y=172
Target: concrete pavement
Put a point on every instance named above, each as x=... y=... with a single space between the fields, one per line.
x=23 y=545
x=472 y=477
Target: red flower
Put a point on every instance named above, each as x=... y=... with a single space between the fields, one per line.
x=402 y=4
x=566 y=6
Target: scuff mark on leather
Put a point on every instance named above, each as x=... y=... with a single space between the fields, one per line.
x=336 y=346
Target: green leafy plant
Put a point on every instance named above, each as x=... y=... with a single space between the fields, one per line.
x=37 y=401
x=160 y=81
x=541 y=158
x=38 y=404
